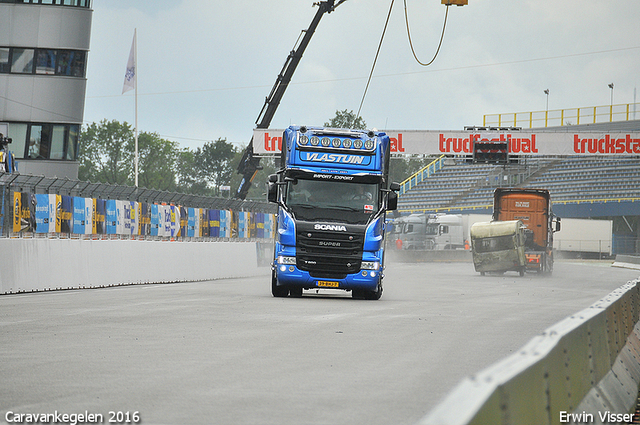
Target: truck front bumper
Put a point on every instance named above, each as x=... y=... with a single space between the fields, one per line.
x=291 y=276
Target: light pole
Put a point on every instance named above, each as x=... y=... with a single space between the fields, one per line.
x=546 y=112
x=611 y=106
x=546 y=91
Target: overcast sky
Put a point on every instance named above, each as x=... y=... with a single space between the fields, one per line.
x=206 y=66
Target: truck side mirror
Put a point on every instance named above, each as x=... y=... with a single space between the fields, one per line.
x=272 y=188
x=394 y=186
x=272 y=192
x=392 y=201
x=558 y=224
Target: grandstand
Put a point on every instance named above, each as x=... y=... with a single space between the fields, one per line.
x=580 y=187
x=458 y=185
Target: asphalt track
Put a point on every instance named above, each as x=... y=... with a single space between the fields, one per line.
x=226 y=352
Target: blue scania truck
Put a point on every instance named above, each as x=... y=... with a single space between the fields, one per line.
x=333 y=192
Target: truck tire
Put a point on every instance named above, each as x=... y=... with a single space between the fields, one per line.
x=295 y=292
x=357 y=294
x=277 y=291
x=374 y=295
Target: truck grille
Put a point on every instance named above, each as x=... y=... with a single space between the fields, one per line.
x=329 y=254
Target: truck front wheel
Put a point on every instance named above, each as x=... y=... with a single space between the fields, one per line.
x=295 y=292
x=374 y=295
x=278 y=291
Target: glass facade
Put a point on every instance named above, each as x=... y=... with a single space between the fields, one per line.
x=18 y=134
x=76 y=3
x=20 y=60
x=45 y=61
x=44 y=141
x=5 y=64
x=71 y=63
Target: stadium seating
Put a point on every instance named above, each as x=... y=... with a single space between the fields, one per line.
x=459 y=185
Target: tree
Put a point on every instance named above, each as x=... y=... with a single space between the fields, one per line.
x=186 y=172
x=346 y=119
x=214 y=164
x=156 y=162
x=105 y=153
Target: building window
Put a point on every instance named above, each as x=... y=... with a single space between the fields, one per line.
x=69 y=63
x=45 y=61
x=18 y=134
x=76 y=3
x=22 y=61
x=4 y=60
x=44 y=141
x=39 y=142
x=72 y=143
x=57 y=142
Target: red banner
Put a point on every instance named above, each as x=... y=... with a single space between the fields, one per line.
x=269 y=141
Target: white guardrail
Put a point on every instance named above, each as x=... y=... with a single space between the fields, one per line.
x=31 y=265
x=584 y=369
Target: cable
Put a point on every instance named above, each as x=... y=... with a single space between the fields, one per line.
x=374 y=61
x=38 y=109
x=406 y=18
x=362 y=78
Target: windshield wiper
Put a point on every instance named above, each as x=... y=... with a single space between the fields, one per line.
x=343 y=208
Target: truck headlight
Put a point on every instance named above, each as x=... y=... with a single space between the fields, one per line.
x=286 y=260
x=370 y=265
x=369 y=144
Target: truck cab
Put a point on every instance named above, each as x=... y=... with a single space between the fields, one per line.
x=332 y=192
x=498 y=246
x=432 y=232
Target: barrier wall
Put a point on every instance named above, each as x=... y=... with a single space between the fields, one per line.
x=49 y=264
x=51 y=215
x=587 y=365
x=627 y=261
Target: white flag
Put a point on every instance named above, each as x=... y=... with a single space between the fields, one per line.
x=130 y=75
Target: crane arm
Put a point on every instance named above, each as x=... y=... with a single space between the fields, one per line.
x=250 y=164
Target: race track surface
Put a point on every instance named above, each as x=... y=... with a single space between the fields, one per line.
x=227 y=352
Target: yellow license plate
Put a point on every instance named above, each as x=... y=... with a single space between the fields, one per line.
x=328 y=284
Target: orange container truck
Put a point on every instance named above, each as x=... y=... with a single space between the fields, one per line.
x=533 y=208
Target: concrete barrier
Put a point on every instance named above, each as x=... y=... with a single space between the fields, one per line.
x=29 y=265
x=587 y=365
x=627 y=261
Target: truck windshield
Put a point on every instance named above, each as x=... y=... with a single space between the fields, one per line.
x=347 y=202
x=432 y=230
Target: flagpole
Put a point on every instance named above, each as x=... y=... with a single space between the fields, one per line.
x=131 y=82
x=136 y=105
